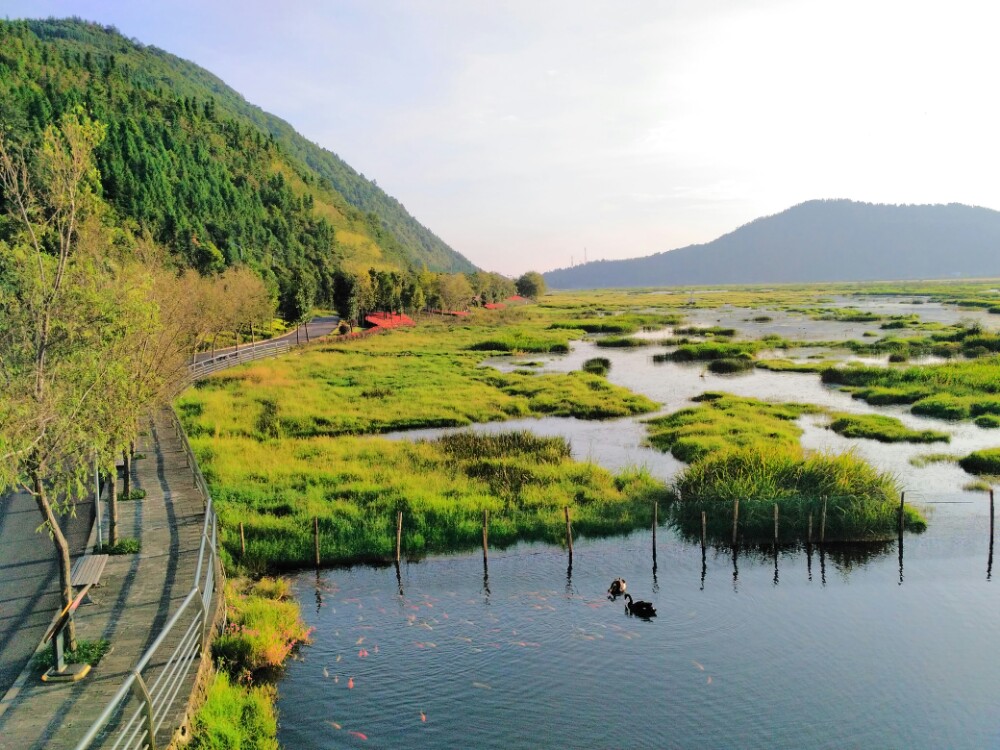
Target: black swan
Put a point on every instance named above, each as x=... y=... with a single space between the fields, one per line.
x=640 y=609
x=617 y=587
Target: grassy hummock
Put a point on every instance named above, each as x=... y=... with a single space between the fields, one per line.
x=748 y=450
x=986 y=461
x=862 y=503
x=884 y=429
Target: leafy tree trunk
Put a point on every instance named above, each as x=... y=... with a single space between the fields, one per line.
x=62 y=552
x=127 y=478
x=113 y=508
x=307 y=331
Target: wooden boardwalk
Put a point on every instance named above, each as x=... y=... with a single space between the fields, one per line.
x=137 y=595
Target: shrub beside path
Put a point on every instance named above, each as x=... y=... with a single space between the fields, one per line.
x=137 y=595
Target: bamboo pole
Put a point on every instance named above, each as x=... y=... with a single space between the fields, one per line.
x=775 y=523
x=656 y=509
x=315 y=537
x=486 y=533
x=822 y=523
x=809 y=539
x=703 y=531
x=243 y=541
x=569 y=531
x=736 y=518
x=399 y=532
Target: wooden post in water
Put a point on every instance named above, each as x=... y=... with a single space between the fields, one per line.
x=656 y=509
x=991 y=516
x=316 y=537
x=569 y=531
x=902 y=496
x=243 y=541
x=399 y=533
x=703 y=531
x=809 y=539
x=775 y=523
x=486 y=532
x=822 y=523
x=736 y=517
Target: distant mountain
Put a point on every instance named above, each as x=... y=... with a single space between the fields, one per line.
x=189 y=161
x=828 y=240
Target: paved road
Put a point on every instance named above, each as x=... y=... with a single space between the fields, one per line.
x=317 y=327
x=29 y=578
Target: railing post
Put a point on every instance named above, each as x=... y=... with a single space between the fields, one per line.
x=147 y=703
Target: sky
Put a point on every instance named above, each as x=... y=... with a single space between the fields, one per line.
x=532 y=134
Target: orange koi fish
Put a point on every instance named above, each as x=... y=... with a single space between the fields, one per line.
x=359 y=735
x=334 y=724
x=423 y=716
x=350 y=683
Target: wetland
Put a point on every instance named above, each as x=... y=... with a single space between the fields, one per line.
x=757 y=645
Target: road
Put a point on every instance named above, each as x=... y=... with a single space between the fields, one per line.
x=29 y=578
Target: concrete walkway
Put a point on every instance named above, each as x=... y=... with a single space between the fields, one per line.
x=137 y=595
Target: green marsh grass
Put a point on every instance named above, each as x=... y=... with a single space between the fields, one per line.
x=862 y=503
x=926 y=459
x=597 y=366
x=355 y=486
x=235 y=717
x=986 y=461
x=748 y=450
x=883 y=428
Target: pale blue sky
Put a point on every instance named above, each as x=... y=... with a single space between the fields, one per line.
x=523 y=132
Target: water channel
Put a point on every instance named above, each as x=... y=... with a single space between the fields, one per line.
x=882 y=647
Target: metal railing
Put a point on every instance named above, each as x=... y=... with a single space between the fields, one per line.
x=235 y=357
x=137 y=712
x=134 y=717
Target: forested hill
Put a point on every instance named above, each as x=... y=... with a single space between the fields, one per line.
x=187 y=160
x=831 y=240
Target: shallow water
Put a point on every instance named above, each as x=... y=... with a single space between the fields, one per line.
x=802 y=648
x=798 y=652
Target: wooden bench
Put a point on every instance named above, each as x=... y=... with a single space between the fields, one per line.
x=87 y=571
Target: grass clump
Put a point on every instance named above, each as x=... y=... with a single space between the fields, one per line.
x=710 y=350
x=988 y=421
x=977 y=485
x=597 y=366
x=263 y=626
x=787 y=365
x=861 y=501
x=723 y=421
x=235 y=717
x=623 y=342
x=958 y=390
x=87 y=652
x=134 y=494
x=986 y=461
x=620 y=324
x=926 y=459
x=124 y=546
x=731 y=365
x=883 y=428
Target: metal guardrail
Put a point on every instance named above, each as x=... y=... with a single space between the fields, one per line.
x=246 y=354
x=137 y=712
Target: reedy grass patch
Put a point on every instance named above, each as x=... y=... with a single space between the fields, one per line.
x=953 y=390
x=983 y=462
x=235 y=716
x=355 y=486
x=862 y=503
x=883 y=428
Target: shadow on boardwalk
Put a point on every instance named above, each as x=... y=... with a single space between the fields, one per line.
x=137 y=595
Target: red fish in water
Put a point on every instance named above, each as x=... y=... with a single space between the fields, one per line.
x=423 y=716
x=359 y=735
x=350 y=683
